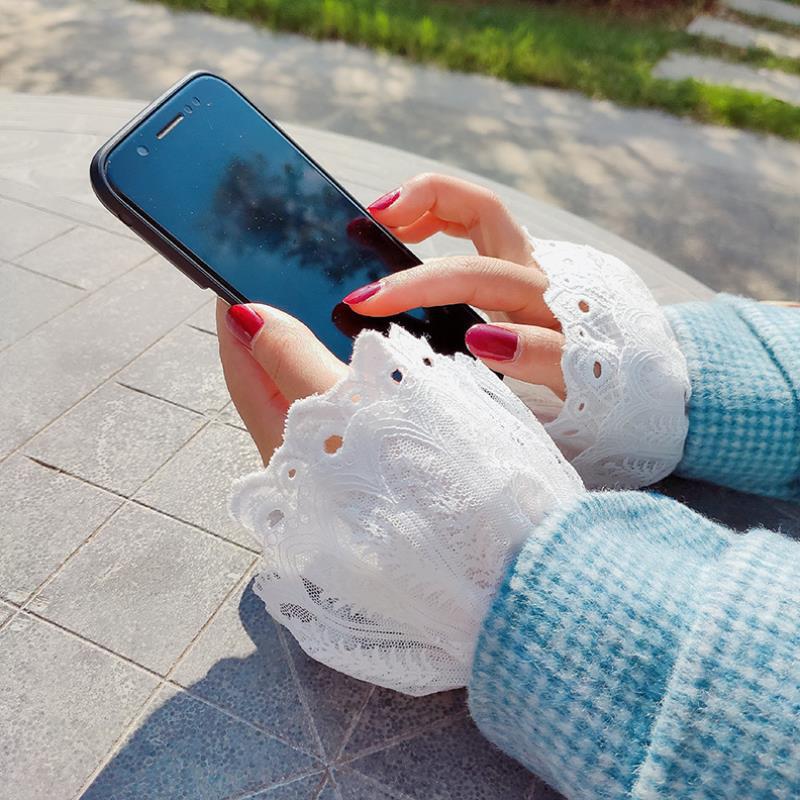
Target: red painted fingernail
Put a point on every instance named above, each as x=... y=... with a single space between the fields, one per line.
x=384 y=201
x=489 y=341
x=243 y=323
x=362 y=294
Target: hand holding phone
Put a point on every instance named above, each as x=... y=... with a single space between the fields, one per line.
x=225 y=195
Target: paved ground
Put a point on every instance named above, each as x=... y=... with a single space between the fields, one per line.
x=721 y=204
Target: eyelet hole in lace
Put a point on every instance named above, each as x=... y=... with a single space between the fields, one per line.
x=355 y=398
x=598 y=369
x=427 y=362
x=275 y=517
x=581 y=406
x=583 y=306
x=292 y=472
x=333 y=443
x=397 y=376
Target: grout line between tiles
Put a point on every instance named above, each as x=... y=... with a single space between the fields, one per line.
x=301 y=693
x=108 y=379
x=403 y=737
x=36 y=272
x=269 y=787
x=141 y=504
x=53 y=238
x=200 y=330
x=162 y=399
x=87 y=294
x=353 y=724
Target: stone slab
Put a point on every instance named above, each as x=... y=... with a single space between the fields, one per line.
x=77 y=350
x=115 y=438
x=46 y=516
x=740 y=35
x=67 y=704
x=195 y=485
x=87 y=257
x=679 y=66
x=144 y=586
x=27 y=300
x=186 y=748
x=183 y=368
x=772 y=9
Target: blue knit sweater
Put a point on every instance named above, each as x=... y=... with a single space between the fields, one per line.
x=639 y=650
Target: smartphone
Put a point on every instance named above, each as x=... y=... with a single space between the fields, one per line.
x=223 y=193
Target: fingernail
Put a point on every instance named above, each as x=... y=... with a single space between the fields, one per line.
x=489 y=341
x=384 y=201
x=243 y=323
x=362 y=294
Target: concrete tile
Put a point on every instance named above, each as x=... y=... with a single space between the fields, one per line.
x=67 y=704
x=184 y=368
x=424 y=768
x=88 y=257
x=205 y=318
x=739 y=35
x=332 y=697
x=303 y=789
x=187 y=749
x=230 y=416
x=329 y=792
x=355 y=786
x=28 y=300
x=22 y=228
x=389 y=715
x=144 y=586
x=80 y=348
x=6 y=611
x=240 y=664
x=541 y=791
x=115 y=438
x=46 y=515
x=771 y=82
x=196 y=485
x=773 y=9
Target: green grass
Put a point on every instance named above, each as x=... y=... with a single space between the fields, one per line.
x=571 y=45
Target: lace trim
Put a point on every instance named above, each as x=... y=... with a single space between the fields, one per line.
x=394 y=507
x=624 y=422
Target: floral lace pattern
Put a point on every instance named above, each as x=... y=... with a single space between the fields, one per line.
x=395 y=505
x=624 y=423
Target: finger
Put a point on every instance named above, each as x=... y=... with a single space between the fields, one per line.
x=474 y=209
x=257 y=399
x=784 y=303
x=426 y=226
x=485 y=283
x=525 y=352
x=286 y=350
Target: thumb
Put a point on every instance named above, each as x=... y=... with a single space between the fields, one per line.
x=296 y=361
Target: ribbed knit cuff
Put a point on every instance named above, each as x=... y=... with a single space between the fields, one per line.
x=744 y=413
x=637 y=650
x=574 y=658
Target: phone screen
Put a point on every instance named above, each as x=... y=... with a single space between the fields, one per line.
x=220 y=179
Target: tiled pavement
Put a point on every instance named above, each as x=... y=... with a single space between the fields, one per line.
x=135 y=662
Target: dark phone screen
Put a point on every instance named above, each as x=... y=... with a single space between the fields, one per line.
x=227 y=185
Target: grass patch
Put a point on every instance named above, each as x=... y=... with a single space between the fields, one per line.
x=602 y=50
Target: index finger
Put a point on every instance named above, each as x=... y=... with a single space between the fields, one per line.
x=431 y=203
x=486 y=283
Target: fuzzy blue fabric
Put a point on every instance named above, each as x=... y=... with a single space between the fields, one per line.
x=744 y=414
x=639 y=650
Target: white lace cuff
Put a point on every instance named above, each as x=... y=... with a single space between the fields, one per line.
x=389 y=515
x=624 y=422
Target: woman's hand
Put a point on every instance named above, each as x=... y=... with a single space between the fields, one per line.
x=524 y=340
x=270 y=359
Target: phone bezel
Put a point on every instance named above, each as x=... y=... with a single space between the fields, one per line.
x=158 y=237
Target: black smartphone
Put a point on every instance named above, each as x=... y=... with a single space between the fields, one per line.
x=224 y=194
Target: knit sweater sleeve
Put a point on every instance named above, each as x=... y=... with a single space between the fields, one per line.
x=639 y=650
x=744 y=413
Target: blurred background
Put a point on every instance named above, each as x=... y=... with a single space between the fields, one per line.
x=674 y=123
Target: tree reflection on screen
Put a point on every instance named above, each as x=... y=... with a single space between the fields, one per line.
x=289 y=212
